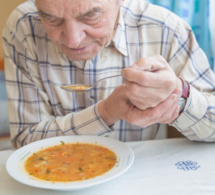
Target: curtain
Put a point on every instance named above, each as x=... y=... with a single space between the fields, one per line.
x=212 y=26
x=196 y=14
x=4 y=124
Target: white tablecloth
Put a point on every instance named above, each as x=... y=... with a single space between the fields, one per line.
x=161 y=167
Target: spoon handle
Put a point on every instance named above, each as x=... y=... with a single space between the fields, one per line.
x=105 y=78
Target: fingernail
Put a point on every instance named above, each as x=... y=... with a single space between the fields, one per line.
x=174 y=98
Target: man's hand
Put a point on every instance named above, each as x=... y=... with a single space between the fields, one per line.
x=147 y=89
x=165 y=112
x=118 y=106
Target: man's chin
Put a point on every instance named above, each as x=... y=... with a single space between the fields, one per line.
x=85 y=53
x=80 y=57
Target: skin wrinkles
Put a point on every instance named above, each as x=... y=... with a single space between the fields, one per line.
x=79 y=29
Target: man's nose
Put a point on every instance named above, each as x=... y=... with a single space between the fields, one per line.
x=73 y=34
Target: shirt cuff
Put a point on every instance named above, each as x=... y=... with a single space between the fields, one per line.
x=195 y=109
x=85 y=122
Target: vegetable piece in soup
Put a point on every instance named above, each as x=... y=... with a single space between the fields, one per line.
x=70 y=162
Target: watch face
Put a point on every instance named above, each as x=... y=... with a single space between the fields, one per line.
x=181 y=103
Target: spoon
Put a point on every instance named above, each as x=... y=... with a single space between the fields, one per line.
x=84 y=87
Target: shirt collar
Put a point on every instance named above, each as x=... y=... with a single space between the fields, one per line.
x=119 y=39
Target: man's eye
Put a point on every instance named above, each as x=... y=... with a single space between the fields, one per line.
x=92 y=18
x=54 y=22
x=92 y=15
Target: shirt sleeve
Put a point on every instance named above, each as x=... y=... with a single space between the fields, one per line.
x=31 y=115
x=197 y=121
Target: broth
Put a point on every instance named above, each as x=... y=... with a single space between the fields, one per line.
x=70 y=162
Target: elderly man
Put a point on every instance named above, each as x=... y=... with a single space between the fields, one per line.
x=49 y=43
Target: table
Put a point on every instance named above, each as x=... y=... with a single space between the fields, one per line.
x=161 y=167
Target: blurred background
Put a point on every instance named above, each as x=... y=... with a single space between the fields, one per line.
x=6 y=7
x=199 y=14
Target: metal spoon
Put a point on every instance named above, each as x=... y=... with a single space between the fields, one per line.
x=84 y=87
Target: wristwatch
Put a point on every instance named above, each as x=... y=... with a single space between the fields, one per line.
x=185 y=94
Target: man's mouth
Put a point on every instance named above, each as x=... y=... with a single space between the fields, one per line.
x=79 y=50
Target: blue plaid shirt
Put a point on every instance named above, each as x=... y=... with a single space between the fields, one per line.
x=35 y=69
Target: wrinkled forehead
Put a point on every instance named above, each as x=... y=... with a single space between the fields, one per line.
x=73 y=1
x=118 y=1
x=74 y=8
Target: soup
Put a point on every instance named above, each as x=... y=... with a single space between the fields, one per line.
x=78 y=87
x=70 y=162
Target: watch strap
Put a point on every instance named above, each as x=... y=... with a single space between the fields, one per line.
x=185 y=88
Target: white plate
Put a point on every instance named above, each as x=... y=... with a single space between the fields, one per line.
x=15 y=163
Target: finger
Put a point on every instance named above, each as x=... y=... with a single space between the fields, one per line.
x=173 y=111
x=164 y=109
x=143 y=78
x=169 y=113
x=156 y=79
x=144 y=103
x=140 y=93
x=150 y=63
x=153 y=115
x=154 y=63
x=164 y=76
x=178 y=92
x=174 y=116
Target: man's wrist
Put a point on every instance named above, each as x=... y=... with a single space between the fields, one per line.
x=104 y=113
x=185 y=94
